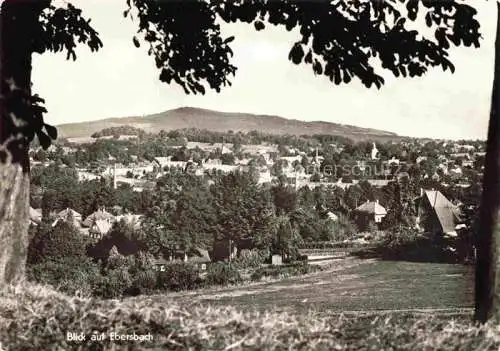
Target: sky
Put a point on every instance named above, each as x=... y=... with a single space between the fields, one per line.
x=122 y=80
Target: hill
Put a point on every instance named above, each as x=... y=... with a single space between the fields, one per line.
x=188 y=117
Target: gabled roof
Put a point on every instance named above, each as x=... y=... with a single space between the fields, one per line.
x=372 y=207
x=225 y=150
x=200 y=256
x=131 y=219
x=65 y=214
x=447 y=213
x=98 y=215
x=167 y=161
x=101 y=226
x=332 y=216
x=35 y=215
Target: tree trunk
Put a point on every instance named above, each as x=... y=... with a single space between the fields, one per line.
x=488 y=240
x=17 y=20
x=14 y=209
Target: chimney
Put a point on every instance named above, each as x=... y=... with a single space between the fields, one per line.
x=376 y=201
x=421 y=191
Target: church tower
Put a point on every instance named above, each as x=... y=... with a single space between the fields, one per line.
x=374 y=152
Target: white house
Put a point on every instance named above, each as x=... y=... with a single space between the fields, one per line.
x=369 y=212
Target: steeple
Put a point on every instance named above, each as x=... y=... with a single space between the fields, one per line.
x=374 y=152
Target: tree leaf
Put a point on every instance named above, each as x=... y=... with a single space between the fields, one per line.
x=44 y=140
x=136 y=42
x=428 y=19
x=296 y=53
x=308 y=58
x=51 y=131
x=318 y=69
x=259 y=25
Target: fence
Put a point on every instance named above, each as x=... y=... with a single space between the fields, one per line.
x=331 y=248
x=329 y=245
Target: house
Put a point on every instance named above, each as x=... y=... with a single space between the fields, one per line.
x=265 y=177
x=160 y=163
x=332 y=216
x=456 y=171
x=35 y=216
x=225 y=150
x=378 y=183
x=342 y=185
x=84 y=175
x=420 y=159
x=160 y=265
x=369 y=212
x=436 y=214
x=291 y=159
x=361 y=165
x=220 y=168
x=467 y=147
x=197 y=256
x=261 y=149
x=460 y=155
x=443 y=168
x=100 y=228
x=70 y=216
x=99 y=223
x=393 y=161
x=224 y=250
x=468 y=163
x=99 y=215
x=132 y=219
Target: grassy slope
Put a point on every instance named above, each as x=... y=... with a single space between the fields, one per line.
x=223 y=121
x=37 y=318
x=354 y=285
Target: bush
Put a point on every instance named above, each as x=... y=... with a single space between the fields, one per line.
x=394 y=240
x=295 y=258
x=179 y=276
x=284 y=271
x=67 y=275
x=113 y=284
x=144 y=282
x=118 y=261
x=54 y=243
x=251 y=258
x=222 y=274
x=405 y=244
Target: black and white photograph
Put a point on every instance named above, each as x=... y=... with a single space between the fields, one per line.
x=249 y=175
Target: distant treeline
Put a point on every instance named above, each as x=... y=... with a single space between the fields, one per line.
x=117 y=131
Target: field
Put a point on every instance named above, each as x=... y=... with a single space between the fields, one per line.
x=352 y=284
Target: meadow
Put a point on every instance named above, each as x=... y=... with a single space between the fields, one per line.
x=351 y=305
x=352 y=284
